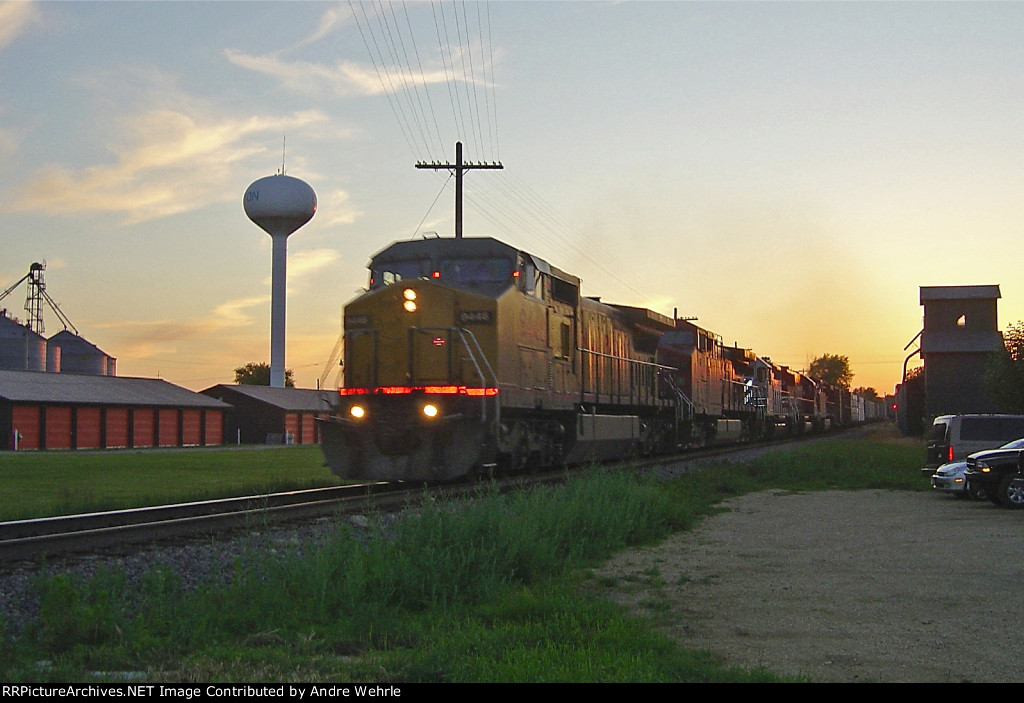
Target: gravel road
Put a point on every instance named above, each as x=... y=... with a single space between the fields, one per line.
x=841 y=586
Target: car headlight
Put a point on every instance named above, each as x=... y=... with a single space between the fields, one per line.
x=357 y=411
x=430 y=410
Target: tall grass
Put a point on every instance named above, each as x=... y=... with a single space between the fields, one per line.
x=491 y=589
x=39 y=484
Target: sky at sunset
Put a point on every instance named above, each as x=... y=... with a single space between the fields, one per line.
x=788 y=173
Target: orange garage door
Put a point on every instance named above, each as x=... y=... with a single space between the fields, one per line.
x=58 y=427
x=25 y=421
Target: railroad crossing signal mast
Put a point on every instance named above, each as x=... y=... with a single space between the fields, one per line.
x=459 y=167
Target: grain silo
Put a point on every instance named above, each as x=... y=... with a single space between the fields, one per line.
x=21 y=349
x=80 y=356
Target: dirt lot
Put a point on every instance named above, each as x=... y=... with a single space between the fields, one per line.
x=871 y=586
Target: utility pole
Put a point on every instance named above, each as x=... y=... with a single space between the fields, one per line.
x=459 y=167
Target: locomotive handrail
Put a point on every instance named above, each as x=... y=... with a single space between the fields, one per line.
x=635 y=362
x=497 y=406
x=462 y=332
x=679 y=394
x=638 y=362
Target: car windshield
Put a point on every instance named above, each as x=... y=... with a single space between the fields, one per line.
x=1015 y=444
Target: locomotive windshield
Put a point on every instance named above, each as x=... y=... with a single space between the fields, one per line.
x=494 y=270
x=395 y=271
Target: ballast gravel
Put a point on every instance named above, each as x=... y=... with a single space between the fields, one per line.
x=841 y=586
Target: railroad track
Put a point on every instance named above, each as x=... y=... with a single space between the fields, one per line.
x=123 y=530
x=109 y=530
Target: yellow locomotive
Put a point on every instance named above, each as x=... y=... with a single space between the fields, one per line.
x=467 y=355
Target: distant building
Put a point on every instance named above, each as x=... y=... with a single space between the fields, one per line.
x=271 y=415
x=960 y=332
x=41 y=410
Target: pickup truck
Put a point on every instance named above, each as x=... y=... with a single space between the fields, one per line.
x=994 y=471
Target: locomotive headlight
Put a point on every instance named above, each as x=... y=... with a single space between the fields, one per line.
x=430 y=410
x=410 y=300
x=357 y=411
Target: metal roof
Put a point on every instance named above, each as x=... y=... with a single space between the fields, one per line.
x=294 y=399
x=87 y=389
x=958 y=292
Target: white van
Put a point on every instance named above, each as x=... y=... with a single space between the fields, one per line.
x=953 y=437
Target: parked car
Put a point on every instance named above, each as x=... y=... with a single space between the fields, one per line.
x=994 y=471
x=949 y=478
x=1017 y=485
x=954 y=437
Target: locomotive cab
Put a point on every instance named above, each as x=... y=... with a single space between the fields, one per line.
x=440 y=322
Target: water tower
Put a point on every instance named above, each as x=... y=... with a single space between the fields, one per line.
x=280 y=205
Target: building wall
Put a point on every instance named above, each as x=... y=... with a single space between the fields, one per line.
x=256 y=421
x=978 y=315
x=55 y=426
x=955 y=383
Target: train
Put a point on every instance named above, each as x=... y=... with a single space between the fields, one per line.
x=467 y=357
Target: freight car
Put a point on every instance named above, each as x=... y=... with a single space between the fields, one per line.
x=466 y=356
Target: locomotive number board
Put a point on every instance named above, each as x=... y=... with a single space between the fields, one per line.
x=475 y=317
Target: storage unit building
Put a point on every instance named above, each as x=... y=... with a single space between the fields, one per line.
x=41 y=410
x=270 y=415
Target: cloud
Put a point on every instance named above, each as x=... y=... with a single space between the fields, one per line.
x=350 y=78
x=15 y=18
x=303 y=263
x=341 y=212
x=173 y=162
x=8 y=141
x=332 y=19
x=344 y=79
x=234 y=313
x=140 y=339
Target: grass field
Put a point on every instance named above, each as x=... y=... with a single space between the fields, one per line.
x=40 y=484
x=498 y=590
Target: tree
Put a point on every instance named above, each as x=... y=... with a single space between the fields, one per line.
x=1004 y=372
x=833 y=369
x=870 y=393
x=258 y=374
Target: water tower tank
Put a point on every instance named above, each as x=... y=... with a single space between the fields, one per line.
x=280 y=205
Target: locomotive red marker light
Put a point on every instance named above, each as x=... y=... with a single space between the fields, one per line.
x=435 y=274
x=429 y=390
x=481 y=391
x=441 y=390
